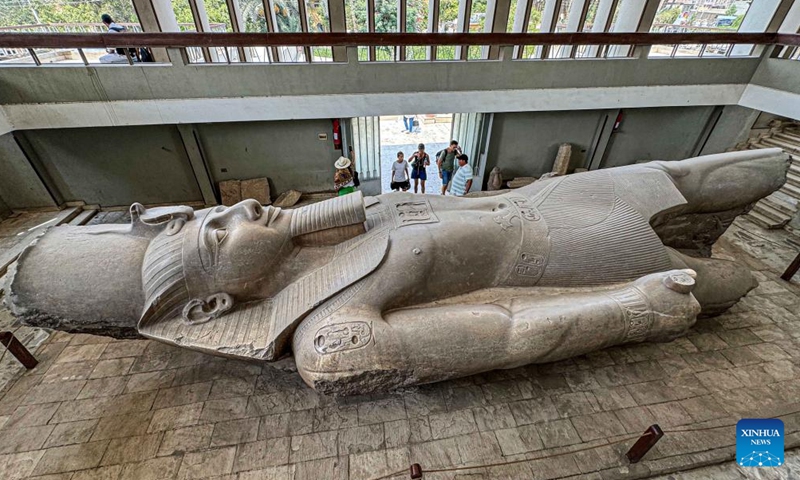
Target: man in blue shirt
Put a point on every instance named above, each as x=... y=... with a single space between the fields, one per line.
x=462 y=180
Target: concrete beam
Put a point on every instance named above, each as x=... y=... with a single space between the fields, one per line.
x=194 y=150
x=338 y=24
x=236 y=109
x=770 y=100
x=156 y=16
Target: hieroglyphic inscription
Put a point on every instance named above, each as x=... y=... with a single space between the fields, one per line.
x=526 y=210
x=638 y=317
x=342 y=336
x=413 y=213
x=529 y=265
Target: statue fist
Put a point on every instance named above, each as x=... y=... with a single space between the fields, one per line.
x=673 y=308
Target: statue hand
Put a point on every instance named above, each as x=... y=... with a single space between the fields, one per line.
x=674 y=309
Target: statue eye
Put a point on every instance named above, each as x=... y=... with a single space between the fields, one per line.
x=220 y=234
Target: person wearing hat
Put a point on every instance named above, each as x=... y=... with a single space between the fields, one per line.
x=419 y=161
x=343 y=181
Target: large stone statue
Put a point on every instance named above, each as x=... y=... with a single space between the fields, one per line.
x=400 y=289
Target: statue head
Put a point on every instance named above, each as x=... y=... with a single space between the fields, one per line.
x=170 y=263
x=200 y=267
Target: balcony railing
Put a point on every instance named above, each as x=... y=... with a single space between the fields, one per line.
x=319 y=47
x=67 y=55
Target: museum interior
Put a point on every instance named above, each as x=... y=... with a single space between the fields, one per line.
x=215 y=262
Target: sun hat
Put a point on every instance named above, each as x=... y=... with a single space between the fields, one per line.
x=343 y=162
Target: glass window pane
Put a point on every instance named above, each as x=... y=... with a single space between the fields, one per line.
x=512 y=12
x=355 y=12
x=318 y=18
x=385 y=22
x=218 y=17
x=448 y=23
x=253 y=16
x=416 y=22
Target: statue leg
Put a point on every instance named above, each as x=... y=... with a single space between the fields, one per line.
x=726 y=181
x=357 y=350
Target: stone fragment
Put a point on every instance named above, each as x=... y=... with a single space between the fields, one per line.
x=257 y=189
x=231 y=192
x=287 y=199
x=518 y=182
x=561 y=164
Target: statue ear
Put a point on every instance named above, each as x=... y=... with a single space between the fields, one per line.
x=199 y=311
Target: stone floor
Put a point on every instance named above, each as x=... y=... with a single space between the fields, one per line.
x=97 y=408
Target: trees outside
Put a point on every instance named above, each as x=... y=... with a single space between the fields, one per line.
x=30 y=12
x=668 y=15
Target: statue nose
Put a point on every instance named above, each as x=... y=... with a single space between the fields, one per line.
x=249 y=210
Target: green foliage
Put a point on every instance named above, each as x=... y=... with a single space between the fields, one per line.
x=29 y=12
x=731 y=11
x=669 y=15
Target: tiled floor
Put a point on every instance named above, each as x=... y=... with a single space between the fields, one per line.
x=97 y=408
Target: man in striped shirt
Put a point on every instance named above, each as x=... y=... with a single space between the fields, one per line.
x=462 y=180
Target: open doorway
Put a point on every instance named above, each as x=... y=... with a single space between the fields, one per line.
x=433 y=131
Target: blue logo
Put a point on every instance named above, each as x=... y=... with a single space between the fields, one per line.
x=759 y=442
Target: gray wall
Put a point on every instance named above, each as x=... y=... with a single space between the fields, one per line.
x=526 y=144
x=288 y=152
x=732 y=127
x=117 y=166
x=656 y=134
x=20 y=186
x=5 y=210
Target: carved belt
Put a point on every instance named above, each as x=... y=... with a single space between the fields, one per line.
x=534 y=246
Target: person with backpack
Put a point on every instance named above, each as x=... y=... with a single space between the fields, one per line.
x=419 y=161
x=118 y=55
x=446 y=160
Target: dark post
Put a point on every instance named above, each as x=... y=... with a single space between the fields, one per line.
x=793 y=268
x=416 y=471
x=18 y=350
x=649 y=438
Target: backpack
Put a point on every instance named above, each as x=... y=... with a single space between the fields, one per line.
x=356 y=182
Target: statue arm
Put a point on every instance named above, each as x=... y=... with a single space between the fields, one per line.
x=423 y=345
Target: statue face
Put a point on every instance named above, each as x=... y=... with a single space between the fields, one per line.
x=241 y=246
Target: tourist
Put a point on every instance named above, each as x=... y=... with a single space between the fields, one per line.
x=343 y=178
x=446 y=161
x=400 y=174
x=462 y=180
x=113 y=55
x=419 y=161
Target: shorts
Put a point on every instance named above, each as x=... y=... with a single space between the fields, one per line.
x=446 y=177
x=400 y=185
x=419 y=174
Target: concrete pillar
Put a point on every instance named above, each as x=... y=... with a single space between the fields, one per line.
x=462 y=25
x=791 y=23
x=757 y=19
x=575 y=18
x=195 y=153
x=338 y=24
x=157 y=16
x=634 y=16
x=203 y=25
x=497 y=12
x=602 y=21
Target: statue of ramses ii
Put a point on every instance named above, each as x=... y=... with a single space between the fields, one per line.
x=374 y=293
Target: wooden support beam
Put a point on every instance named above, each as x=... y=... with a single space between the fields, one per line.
x=792 y=269
x=649 y=438
x=18 y=350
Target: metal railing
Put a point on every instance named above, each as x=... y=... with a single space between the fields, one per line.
x=228 y=45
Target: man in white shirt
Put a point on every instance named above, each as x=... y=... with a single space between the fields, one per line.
x=400 y=174
x=462 y=180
